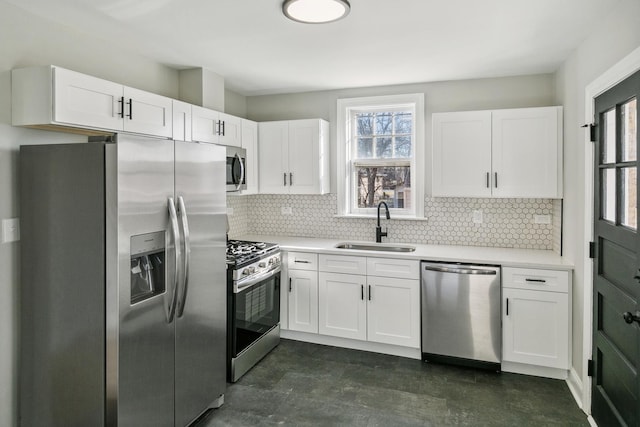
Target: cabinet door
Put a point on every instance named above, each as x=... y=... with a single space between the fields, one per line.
x=273 y=163
x=250 y=143
x=86 y=101
x=461 y=163
x=181 y=121
x=303 y=300
x=304 y=156
x=204 y=124
x=342 y=307
x=147 y=113
x=230 y=130
x=527 y=152
x=535 y=328
x=393 y=314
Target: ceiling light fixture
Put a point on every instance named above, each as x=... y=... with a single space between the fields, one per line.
x=315 y=11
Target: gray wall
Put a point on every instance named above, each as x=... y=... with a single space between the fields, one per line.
x=615 y=37
x=27 y=40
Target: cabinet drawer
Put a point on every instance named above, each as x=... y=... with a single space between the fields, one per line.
x=302 y=261
x=388 y=267
x=343 y=264
x=535 y=279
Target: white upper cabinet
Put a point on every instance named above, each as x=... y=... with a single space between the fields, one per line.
x=45 y=96
x=293 y=157
x=205 y=126
x=462 y=154
x=230 y=130
x=527 y=152
x=499 y=153
x=249 y=139
x=181 y=121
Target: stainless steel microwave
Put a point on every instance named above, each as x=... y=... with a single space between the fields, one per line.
x=236 y=170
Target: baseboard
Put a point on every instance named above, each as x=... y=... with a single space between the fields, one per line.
x=575 y=385
x=538 y=371
x=411 y=353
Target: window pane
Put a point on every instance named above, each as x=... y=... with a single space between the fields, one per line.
x=365 y=148
x=403 y=123
x=629 y=182
x=364 y=124
x=608 y=146
x=403 y=146
x=629 y=123
x=389 y=184
x=384 y=124
x=608 y=194
x=384 y=148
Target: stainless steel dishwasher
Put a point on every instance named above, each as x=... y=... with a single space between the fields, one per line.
x=461 y=314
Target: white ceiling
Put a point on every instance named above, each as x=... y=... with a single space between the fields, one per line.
x=259 y=51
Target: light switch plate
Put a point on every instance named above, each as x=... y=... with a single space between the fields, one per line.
x=542 y=219
x=10 y=230
x=477 y=217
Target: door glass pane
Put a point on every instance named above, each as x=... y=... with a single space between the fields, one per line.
x=608 y=145
x=608 y=194
x=629 y=123
x=629 y=182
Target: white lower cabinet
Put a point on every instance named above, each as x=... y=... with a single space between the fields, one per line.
x=393 y=311
x=303 y=301
x=536 y=319
x=342 y=305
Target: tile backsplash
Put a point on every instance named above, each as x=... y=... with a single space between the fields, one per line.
x=507 y=223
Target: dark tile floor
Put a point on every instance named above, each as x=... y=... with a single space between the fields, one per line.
x=302 y=384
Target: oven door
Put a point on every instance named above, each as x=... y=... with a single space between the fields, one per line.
x=236 y=171
x=255 y=311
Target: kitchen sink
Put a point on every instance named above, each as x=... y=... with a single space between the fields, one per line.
x=375 y=247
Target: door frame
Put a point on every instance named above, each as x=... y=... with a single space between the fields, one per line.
x=611 y=77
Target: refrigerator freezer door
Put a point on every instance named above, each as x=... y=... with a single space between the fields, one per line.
x=145 y=354
x=201 y=315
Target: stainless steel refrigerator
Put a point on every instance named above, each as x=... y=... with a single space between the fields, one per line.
x=123 y=292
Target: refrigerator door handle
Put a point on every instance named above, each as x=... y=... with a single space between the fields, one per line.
x=173 y=226
x=182 y=212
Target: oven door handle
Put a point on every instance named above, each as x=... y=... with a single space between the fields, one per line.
x=238 y=287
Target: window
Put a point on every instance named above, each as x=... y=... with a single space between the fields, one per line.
x=380 y=143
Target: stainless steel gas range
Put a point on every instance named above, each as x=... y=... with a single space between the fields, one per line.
x=253 y=304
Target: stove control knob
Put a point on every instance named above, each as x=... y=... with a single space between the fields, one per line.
x=262 y=264
x=252 y=270
x=246 y=272
x=272 y=261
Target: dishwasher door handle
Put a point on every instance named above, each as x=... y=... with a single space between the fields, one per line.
x=461 y=270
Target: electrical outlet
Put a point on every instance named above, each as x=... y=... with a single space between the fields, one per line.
x=286 y=210
x=10 y=230
x=477 y=217
x=542 y=219
x=229 y=211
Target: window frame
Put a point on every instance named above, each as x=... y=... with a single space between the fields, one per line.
x=346 y=171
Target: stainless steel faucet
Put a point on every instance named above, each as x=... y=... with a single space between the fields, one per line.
x=379 y=233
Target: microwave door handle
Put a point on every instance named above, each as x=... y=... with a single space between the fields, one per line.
x=241 y=180
x=173 y=228
x=186 y=254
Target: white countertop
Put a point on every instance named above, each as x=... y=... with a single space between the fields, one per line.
x=526 y=258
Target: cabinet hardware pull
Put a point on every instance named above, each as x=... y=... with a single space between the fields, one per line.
x=362 y=292
x=369 y=292
x=121 y=102
x=223 y=127
x=507 y=306
x=535 y=280
x=285 y=179
x=630 y=317
x=289 y=284
x=216 y=131
x=301 y=261
x=130 y=103
x=495 y=179
x=290 y=178
x=488 y=178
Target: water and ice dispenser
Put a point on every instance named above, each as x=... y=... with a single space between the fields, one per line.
x=147 y=266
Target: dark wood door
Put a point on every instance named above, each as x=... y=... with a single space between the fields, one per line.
x=616 y=287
